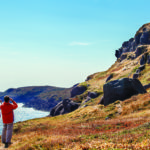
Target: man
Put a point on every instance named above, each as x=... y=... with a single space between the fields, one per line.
x=8 y=118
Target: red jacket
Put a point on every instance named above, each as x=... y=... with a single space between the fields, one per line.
x=7 y=111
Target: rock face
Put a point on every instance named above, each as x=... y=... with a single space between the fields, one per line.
x=77 y=90
x=64 y=107
x=136 y=44
x=121 y=90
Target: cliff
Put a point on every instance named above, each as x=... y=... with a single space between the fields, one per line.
x=38 y=97
x=128 y=76
x=133 y=62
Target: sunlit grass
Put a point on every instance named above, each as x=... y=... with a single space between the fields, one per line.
x=86 y=128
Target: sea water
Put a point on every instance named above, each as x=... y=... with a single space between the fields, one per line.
x=23 y=113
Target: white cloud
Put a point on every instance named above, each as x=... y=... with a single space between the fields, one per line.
x=79 y=44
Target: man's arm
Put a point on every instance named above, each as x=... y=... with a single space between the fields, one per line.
x=14 y=103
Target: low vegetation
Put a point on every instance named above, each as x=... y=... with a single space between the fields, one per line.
x=121 y=125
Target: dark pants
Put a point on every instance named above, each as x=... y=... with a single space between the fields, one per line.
x=7 y=132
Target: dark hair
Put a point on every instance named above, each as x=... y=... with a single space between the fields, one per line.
x=6 y=99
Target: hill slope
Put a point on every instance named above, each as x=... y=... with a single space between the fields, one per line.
x=117 y=126
x=88 y=129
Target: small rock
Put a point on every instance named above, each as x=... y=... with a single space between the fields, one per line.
x=84 y=106
x=135 y=75
x=138 y=71
x=142 y=67
x=92 y=94
x=107 y=118
x=109 y=77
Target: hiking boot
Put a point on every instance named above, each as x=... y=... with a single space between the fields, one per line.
x=6 y=145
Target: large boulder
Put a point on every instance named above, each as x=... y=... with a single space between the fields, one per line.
x=143 y=60
x=77 y=90
x=121 y=89
x=125 y=44
x=64 y=107
x=140 y=50
x=117 y=54
x=144 y=39
x=137 y=38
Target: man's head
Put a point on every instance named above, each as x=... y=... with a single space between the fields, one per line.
x=6 y=99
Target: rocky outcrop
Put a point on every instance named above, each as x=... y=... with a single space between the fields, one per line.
x=140 y=50
x=77 y=90
x=121 y=90
x=64 y=107
x=136 y=44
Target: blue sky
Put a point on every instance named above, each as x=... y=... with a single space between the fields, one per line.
x=61 y=42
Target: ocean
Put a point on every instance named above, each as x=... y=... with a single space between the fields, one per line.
x=23 y=113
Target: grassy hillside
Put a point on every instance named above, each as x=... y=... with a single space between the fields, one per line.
x=118 y=70
x=118 y=126
x=122 y=125
x=88 y=129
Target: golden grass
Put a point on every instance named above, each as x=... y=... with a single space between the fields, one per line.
x=127 y=126
x=86 y=128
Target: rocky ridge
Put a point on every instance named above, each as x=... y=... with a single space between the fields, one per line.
x=128 y=76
